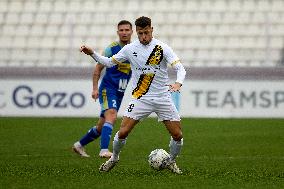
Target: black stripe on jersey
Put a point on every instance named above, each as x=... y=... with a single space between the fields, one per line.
x=156 y=56
x=143 y=85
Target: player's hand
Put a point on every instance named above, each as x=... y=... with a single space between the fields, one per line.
x=95 y=94
x=87 y=50
x=175 y=87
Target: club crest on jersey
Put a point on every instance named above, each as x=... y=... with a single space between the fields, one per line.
x=156 y=56
x=143 y=85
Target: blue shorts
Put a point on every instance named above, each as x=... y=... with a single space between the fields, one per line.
x=109 y=99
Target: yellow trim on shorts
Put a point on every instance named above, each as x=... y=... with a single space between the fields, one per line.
x=105 y=101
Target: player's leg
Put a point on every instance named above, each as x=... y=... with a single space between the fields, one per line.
x=110 y=102
x=119 y=141
x=110 y=119
x=136 y=110
x=176 y=142
x=91 y=135
x=168 y=113
x=126 y=127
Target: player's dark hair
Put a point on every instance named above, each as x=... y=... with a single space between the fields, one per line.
x=124 y=22
x=143 y=22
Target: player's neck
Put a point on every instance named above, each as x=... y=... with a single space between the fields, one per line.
x=123 y=43
x=148 y=43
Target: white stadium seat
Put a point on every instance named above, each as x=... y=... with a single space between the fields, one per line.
x=23 y=30
x=62 y=42
x=47 y=42
x=41 y=18
x=74 y=6
x=52 y=30
x=45 y=6
x=27 y=18
x=60 y=6
x=88 y=6
x=19 y=42
x=12 y=18
x=33 y=42
x=16 y=6
x=4 y=6
x=37 y=30
x=5 y=42
x=56 y=18
x=30 y=6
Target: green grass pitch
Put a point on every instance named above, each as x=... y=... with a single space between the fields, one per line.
x=217 y=153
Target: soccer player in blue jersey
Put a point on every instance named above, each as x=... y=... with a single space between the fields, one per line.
x=110 y=94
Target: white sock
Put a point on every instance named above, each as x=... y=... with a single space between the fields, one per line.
x=78 y=144
x=103 y=150
x=117 y=146
x=175 y=148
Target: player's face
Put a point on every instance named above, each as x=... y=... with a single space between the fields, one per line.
x=144 y=34
x=124 y=33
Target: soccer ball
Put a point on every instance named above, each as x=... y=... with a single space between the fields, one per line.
x=158 y=159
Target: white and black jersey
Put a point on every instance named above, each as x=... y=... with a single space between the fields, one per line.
x=149 y=67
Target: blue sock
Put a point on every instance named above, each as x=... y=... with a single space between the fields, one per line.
x=90 y=136
x=106 y=134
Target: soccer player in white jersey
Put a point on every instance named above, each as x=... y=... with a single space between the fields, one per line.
x=149 y=59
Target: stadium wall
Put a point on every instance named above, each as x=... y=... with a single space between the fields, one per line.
x=207 y=92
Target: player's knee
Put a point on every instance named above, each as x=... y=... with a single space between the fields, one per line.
x=111 y=111
x=111 y=115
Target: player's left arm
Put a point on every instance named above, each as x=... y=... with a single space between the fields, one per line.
x=174 y=61
x=180 y=76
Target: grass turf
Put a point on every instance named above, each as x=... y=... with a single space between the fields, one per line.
x=217 y=153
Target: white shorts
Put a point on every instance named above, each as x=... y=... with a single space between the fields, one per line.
x=141 y=108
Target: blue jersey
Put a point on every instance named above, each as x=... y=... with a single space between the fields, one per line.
x=118 y=76
x=114 y=82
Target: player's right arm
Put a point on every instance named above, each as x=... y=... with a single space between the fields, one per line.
x=118 y=58
x=96 y=76
x=97 y=57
